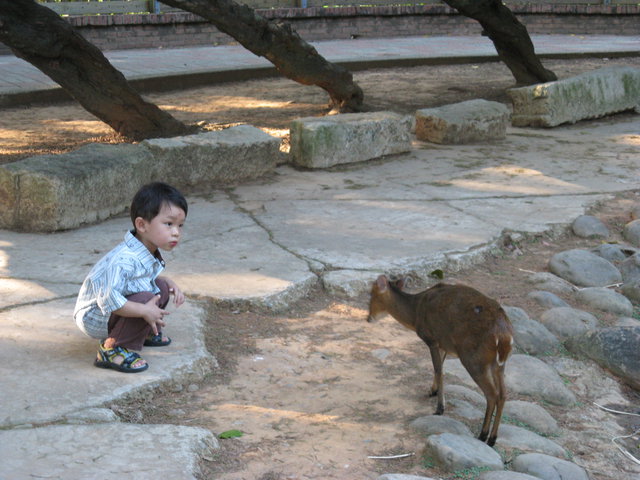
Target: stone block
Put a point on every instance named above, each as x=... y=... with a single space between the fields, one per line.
x=588 y=95
x=217 y=157
x=465 y=122
x=321 y=142
x=58 y=192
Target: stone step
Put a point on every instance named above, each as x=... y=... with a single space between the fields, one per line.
x=589 y=95
x=464 y=122
x=322 y=142
x=59 y=192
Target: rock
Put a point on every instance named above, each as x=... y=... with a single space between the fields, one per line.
x=584 y=268
x=630 y=269
x=505 y=475
x=605 y=299
x=217 y=157
x=46 y=193
x=631 y=232
x=614 y=348
x=567 y=322
x=588 y=226
x=548 y=468
x=614 y=252
x=518 y=438
x=588 y=95
x=464 y=409
x=532 y=415
x=465 y=122
x=402 y=476
x=321 y=142
x=632 y=290
x=458 y=391
x=627 y=322
x=551 y=282
x=527 y=375
x=530 y=336
x=547 y=299
x=437 y=424
x=457 y=452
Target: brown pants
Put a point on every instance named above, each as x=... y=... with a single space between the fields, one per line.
x=130 y=332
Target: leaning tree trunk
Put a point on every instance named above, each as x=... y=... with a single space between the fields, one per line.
x=39 y=36
x=509 y=36
x=281 y=45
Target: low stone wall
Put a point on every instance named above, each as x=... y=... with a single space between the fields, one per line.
x=321 y=142
x=174 y=30
x=589 y=95
x=464 y=122
x=59 y=192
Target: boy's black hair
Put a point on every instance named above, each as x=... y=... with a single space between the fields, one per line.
x=150 y=198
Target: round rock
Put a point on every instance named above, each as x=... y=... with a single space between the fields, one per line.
x=584 y=268
x=588 y=226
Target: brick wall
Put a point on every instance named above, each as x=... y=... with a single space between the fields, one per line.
x=171 y=30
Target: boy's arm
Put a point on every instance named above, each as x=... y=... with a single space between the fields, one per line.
x=150 y=311
x=178 y=295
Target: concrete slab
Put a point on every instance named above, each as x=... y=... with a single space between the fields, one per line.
x=43 y=341
x=85 y=452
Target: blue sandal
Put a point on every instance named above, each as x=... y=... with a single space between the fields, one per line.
x=106 y=357
x=156 y=341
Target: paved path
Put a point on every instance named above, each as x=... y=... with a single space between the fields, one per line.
x=267 y=243
x=163 y=69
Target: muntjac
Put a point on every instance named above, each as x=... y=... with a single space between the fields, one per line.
x=454 y=320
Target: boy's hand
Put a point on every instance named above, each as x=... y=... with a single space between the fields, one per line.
x=178 y=295
x=154 y=315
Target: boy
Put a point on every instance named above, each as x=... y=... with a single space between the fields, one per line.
x=122 y=301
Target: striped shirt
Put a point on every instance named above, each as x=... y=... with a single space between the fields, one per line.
x=127 y=269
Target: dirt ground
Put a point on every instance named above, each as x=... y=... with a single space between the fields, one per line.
x=318 y=391
x=271 y=104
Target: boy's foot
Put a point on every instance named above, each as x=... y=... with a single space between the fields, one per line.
x=121 y=359
x=157 y=340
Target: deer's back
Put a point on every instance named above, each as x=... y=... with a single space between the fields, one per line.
x=460 y=318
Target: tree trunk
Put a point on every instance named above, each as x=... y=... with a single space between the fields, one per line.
x=509 y=36
x=281 y=45
x=39 y=36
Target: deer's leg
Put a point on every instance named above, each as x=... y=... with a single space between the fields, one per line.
x=437 y=358
x=502 y=396
x=486 y=380
x=435 y=384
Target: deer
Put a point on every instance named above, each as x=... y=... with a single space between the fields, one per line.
x=459 y=321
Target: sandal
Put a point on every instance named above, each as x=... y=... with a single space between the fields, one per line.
x=156 y=341
x=106 y=357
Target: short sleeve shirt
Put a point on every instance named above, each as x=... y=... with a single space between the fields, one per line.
x=127 y=269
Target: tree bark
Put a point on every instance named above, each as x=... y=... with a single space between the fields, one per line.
x=38 y=35
x=281 y=45
x=510 y=37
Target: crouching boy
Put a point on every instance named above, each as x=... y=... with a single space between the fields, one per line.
x=123 y=299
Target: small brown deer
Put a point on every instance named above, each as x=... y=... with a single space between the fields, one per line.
x=459 y=321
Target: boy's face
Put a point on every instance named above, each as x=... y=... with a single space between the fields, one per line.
x=163 y=231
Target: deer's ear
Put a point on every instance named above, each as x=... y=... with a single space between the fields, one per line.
x=400 y=283
x=382 y=283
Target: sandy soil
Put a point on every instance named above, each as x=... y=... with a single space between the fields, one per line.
x=318 y=391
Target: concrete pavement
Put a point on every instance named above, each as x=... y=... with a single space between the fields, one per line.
x=267 y=243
